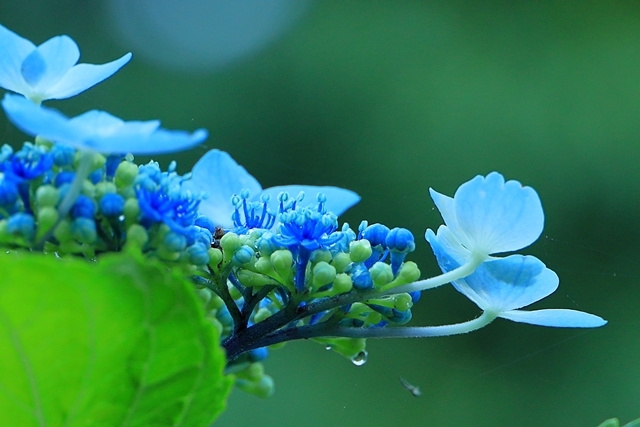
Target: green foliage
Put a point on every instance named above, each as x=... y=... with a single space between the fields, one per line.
x=118 y=343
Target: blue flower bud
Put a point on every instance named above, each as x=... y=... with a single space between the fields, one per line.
x=400 y=241
x=96 y=176
x=64 y=177
x=258 y=354
x=8 y=191
x=63 y=155
x=174 y=242
x=243 y=255
x=112 y=205
x=198 y=254
x=415 y=296
x=204 y=222
x=204 y=236
x=84 y=207
x=83 y=229
x=361 y=277
x=112 y=163
x=376 y=234
x=22 y=225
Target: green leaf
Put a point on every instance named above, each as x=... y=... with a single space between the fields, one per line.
x=123 y=342
x=612 y=422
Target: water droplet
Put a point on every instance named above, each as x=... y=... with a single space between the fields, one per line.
x=360 y=358
x=328 y=348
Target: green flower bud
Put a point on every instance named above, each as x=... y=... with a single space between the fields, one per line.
x=166 y=254
x=341 y=261
x=126 y=173
x=250 y=278
x=342 y=284
x=402 y=302
x=409 y=272
x=215 y=258
x=320 y=255
x=47 y=195
x=47 y=217
x=216 y=302
x=88 y=189
x=63 y=231
x=137 y=235
x=254 y=372
x=43 y=142
x=263 y=388
x=261 y=314
x=360 y=250
x=229 y=243
x=205 y=295
x=381 y=274
x=264 y=266
x=103 y=188
x=348 y=347
x=131 y=210
x=282 y=261
x=323 y=274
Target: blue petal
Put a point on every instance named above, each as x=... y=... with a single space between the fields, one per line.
x=217 y=174
x=449 y=253
x=512 y=282
x=14 y=50
x=33 y=68
x=560 y=318
x=83 y=76
x=58 y=54
x=35 y=120
x=97 y=130
x=160 y=141
x=338 y=199
x=447 y=208
x=496 y=216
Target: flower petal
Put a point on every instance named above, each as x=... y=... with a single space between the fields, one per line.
x=217 y=174
x=97 y=130
x=447 y=208
x=497 y=216
x=137 y=140
x=509 y=283
x=83 y=76
x=338 y=199
x=14 y=50
x=560 y=318
x=35 y=120
x=58 y=54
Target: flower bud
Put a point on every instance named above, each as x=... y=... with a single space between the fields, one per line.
x=360 y=250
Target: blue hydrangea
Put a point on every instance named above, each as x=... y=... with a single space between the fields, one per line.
x=220 y=177
x=48 y=71
x=31 y=162
x=162 y=199
x=97 y=130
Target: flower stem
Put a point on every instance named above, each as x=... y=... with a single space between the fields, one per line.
x=82 y=172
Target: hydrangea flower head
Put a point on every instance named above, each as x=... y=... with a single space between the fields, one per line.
x=488 y=215
x=97 y=130
x=502 y=286
x=48 y=71
x=217 y=174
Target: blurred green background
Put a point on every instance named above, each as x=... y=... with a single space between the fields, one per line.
x=389 y=98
